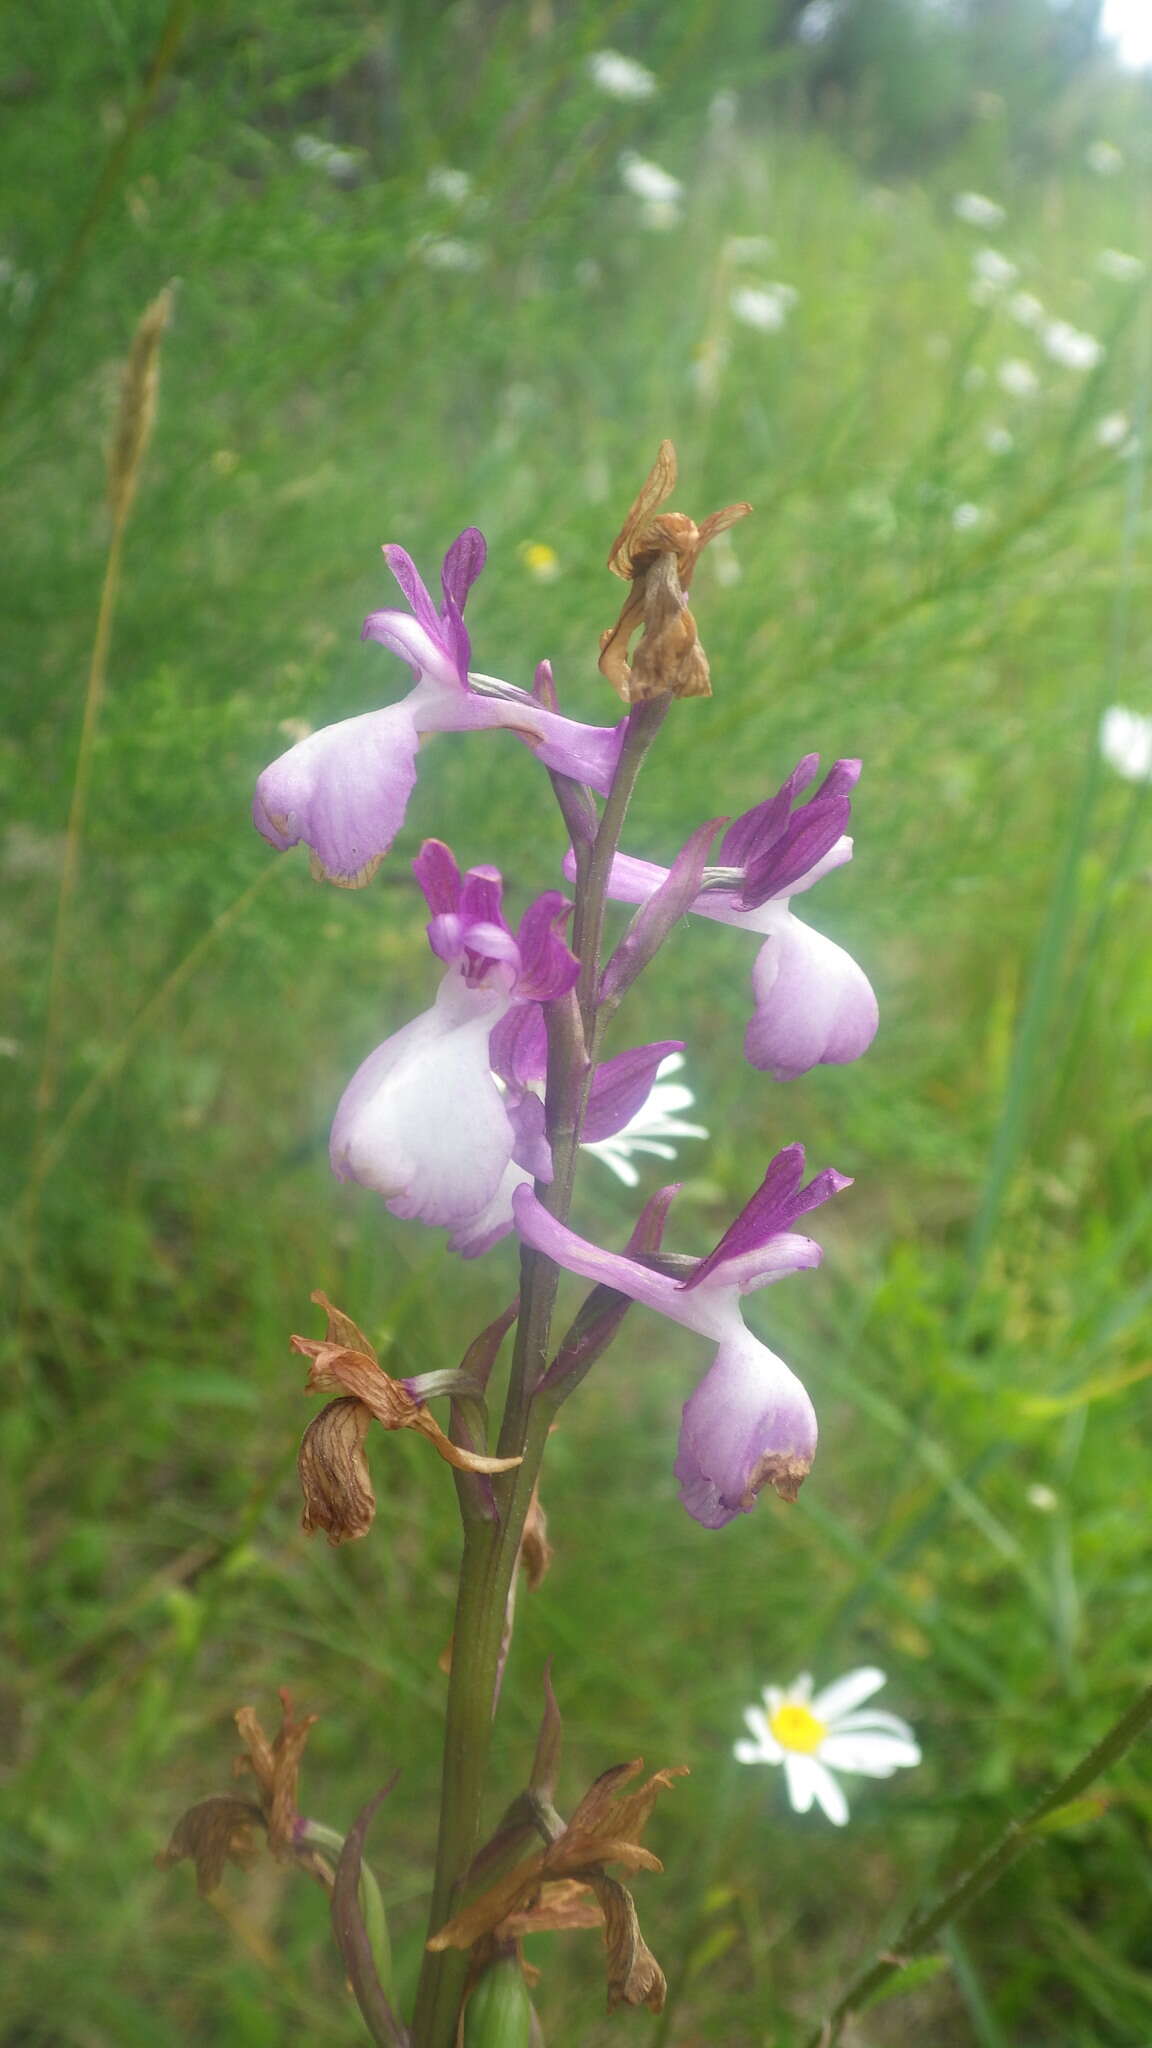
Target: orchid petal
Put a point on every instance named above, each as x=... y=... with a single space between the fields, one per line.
x=813 y=1003
x=344 y=791
x=621 y=1086
x=749 y=1424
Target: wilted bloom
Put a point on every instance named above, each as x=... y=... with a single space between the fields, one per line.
x=622 y=78
x=765 y=306
x=423 y=1121
x=813 y=1004
x=1017 y=378
x=750 y=1422
x=656 y=1122
x=1126 y=743
x=978 y=211
x=222 y=1830
x=1119 y=266
x=815 y=1736
x=344 y=790
x=1069 y=347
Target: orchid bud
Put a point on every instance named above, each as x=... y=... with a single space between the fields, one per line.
x=499 y=2011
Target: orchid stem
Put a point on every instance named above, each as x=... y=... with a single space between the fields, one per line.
x=492 y=1550
x=919 y=1929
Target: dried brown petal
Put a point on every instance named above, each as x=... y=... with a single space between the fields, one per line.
x=338 y=1496
x=561 y=1906
x=603 y=1816
x=276 y=1768
x=213 y=1833
x=536 y=1552
x=657 y=553
x=634 y=1975
x=341 y=1329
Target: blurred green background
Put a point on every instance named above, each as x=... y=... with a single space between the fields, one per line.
x=418 y=290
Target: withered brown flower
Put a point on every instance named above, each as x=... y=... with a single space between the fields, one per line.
x=333 y=1467
x=550 y=1889
x=222 y=1829
x=657 y=552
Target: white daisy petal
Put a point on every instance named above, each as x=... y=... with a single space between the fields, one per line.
x=750 y=1753
x=873 y=1720
x=801 y=1773
x=874 y=1756
x=829 y=1796
x=845 y=1693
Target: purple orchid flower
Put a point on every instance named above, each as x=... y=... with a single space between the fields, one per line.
x=750 y=1422
x=518 y=1050
x=423 y=1121
x=344 y=790
x=813 y=1004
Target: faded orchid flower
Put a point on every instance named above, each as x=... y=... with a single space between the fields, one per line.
x=814 y=1005
x=423 y=1121
x=815 y=1736
x=750 y=1422
x=652 y=1129
x=344 y=790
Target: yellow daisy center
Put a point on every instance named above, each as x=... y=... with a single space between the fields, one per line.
x=795 y=1727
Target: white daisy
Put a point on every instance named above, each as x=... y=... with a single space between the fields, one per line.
x=651 y=1127
x=815 y=1736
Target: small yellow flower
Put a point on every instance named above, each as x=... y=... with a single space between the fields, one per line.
x=541 y=561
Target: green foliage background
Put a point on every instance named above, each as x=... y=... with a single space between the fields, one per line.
x=977 y=1342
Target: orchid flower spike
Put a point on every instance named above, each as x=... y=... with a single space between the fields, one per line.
x=750 y=1422
x=344 y=790
x=423 y=1121
x=813 y=1004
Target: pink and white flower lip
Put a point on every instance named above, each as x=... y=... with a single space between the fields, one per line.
x=344 y=790
x=816 y=1735
x=423 y=1121
x=813 y=1004
x=750 y=1422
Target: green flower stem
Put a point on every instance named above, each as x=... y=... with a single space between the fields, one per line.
x=492 y=1550
x=920 y=1928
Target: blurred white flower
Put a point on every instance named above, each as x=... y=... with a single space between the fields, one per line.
x=1069 y=347
x=651 y=1127
x=1104 y=158
x=1041 y=1498
x=445 y=182
x=975 y=377
x=998 y=441
x=965 y=517
x=817 y=20
x=338 y=163
x=447 y=252
x=657 y=190
x=1026 y=308
x=748 y=248
x=977 y=210
x=994 y=271
x=1126 y=743
x=765 y=306
x=622 y=78
x=1119 y=266
x=1017 y=378
x=814 y=1736
x=1112 y=431
x=725 y=562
